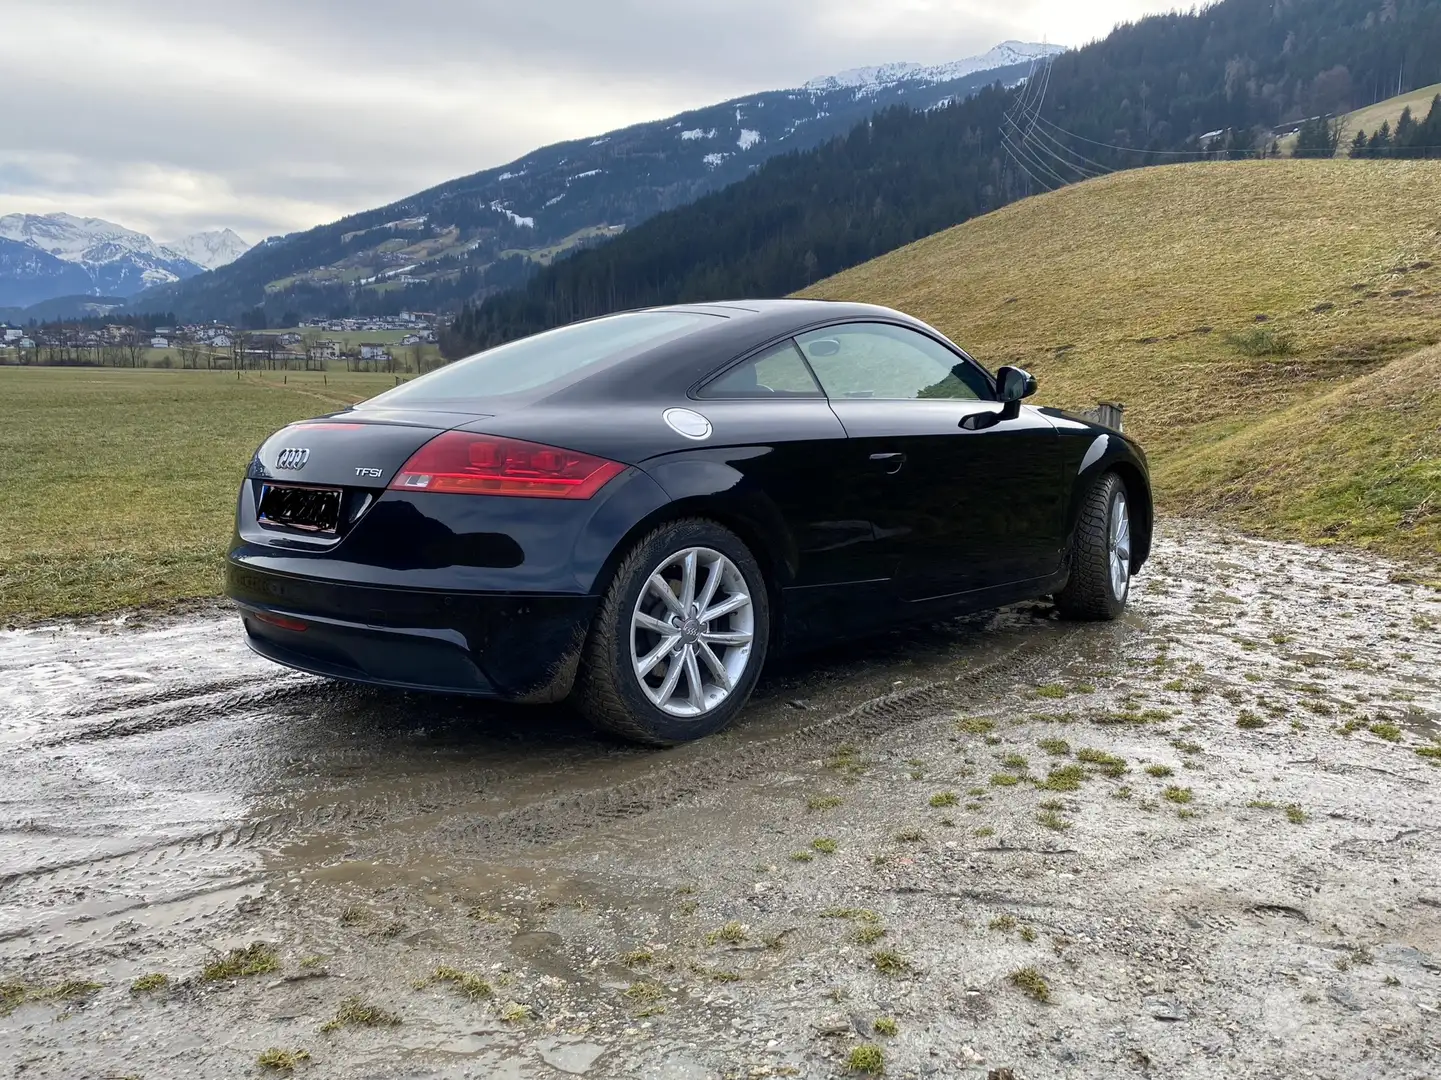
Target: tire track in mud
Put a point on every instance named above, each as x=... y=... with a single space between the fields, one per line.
x=549 y=818
x=570 y=815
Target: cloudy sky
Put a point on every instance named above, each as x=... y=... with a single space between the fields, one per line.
x=268 y=116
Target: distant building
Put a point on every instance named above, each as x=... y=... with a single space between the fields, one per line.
x=158 y=342
x=324 y=350
x=410 y=339
x=26 y=343
x=220 y=341
x=373 y=351
x=13 y=334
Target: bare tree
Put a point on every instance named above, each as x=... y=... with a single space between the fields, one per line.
x=239 y=343
x=133 y=344
x=189 y=350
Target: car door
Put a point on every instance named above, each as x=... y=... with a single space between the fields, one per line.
x=965 y=492
x=773 y=426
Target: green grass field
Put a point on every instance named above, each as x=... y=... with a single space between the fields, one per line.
x=118 y=485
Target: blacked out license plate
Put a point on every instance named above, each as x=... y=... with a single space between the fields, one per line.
x=310 y=508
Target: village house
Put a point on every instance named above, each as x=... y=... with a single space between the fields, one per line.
x=374 y=351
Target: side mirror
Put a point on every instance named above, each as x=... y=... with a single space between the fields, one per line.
x=1013 y=384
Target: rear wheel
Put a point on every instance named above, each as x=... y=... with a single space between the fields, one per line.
x=1100 y=557
x=680 y=637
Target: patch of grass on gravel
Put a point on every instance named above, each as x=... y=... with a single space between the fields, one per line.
x=1055 y=747
x=866 y=1058
x=281 y=1060
x=472 y=986
x=645 y=993
x=975 y=725
x=1052 y=820
x=1004 y=923
x=1065 y=778
x=1177 y=794
x=515 y=1012
x=1159 y=770
x=868 y=934
x=823 y=802
x=257 y=958
x=354 y=1011
x=890 y=963
x=1054 y=691
x=802 y=856
x=146 y=984
x=1295 y=815
x=1109 y=764
x=1249 y=721
x=1430 y=753
x=1383 y=730
x=944 y=798
x=910 y=836
x=15 y=993
x=1031 y=983
x=1005 y=780
x=1015 y=761
x=732 y=933
x=825 y=845
x=858 y=914
x=884 y=1025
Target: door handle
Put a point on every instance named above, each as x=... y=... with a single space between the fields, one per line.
x=891 y=462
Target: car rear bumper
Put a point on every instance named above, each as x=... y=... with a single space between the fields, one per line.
x=507 y=645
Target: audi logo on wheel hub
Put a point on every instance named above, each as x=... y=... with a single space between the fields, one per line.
x=292 y=457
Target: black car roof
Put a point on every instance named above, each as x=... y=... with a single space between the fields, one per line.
x=669 y=369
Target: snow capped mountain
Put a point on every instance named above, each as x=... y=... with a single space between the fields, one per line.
x=1003 y=55
x=79 y=255
x=209 y=249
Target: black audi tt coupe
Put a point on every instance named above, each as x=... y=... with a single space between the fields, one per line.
x=635 y=511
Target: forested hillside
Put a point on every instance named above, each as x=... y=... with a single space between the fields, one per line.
x=1220 y=82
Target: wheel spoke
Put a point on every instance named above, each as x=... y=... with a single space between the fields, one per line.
x=668 y=685
x=687 y=581
x=692 y=676
x=712 y=661
x=712 y=583
x=726 y=637
x=654 y=625
x=644 y=665
x=725 y=607
x=661 y=588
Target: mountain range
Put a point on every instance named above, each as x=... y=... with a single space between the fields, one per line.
x=47 y=256
x=461 y=240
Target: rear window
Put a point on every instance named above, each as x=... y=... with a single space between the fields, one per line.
x=542 y=360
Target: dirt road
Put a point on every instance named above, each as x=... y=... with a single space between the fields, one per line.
x=1202 y=842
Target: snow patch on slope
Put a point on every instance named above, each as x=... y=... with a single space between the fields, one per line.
x=748 y=138
x=516 y=219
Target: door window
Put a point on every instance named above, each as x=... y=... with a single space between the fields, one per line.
x=879 y=360
x=776 y=372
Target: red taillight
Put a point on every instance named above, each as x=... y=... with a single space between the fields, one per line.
x=282 y=622
x=467 y=464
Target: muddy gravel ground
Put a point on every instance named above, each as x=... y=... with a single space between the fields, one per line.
x=1203 y=841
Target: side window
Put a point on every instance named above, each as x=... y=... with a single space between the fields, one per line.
x=777 y=372
x=878 y=360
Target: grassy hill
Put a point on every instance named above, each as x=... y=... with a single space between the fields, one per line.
x=1373 y=116
x=1265 y=323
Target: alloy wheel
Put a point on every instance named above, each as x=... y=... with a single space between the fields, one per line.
x=691 y=632
x=1119 y=544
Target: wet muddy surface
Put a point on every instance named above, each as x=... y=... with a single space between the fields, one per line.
x=1203 y=841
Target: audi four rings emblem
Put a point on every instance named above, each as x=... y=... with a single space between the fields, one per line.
x=292 y=457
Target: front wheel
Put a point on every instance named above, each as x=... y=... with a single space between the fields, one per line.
x=1100 y=557
x=680 y=637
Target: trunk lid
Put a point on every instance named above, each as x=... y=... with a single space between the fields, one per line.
x=351 y=449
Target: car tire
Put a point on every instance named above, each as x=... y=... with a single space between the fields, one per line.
x=611 y=690
x=1100 y=555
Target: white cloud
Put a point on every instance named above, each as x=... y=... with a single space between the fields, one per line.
x=176 y=115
